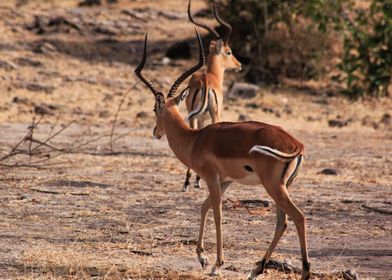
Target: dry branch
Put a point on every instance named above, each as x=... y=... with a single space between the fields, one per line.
x=288 y=268
x=117 y=113
x=41 y=152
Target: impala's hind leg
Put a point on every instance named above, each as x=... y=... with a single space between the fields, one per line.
x=281 y=225
x=276 y=185
x=186 y=182
x=284 y=201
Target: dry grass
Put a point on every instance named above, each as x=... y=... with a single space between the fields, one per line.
x=119 y=216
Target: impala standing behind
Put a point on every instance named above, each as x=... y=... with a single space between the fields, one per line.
x=205 y=88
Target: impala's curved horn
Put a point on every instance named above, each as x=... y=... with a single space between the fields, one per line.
x=227 y=27
x=192 y=70
x=202 y=25
x=139 y=68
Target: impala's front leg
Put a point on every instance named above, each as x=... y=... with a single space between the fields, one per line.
x=204 y=211
x=216 y=202
x=200 y=244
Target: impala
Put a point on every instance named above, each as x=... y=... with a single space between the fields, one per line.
x=205 y=88
x=221 y=153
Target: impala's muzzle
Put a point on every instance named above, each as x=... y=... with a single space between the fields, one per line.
x=154 y=132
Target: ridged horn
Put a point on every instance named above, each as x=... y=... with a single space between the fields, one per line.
x=192 y=70
x=227 y=27
x=202 y=25
x=139 y=68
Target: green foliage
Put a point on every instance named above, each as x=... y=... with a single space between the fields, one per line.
x=367 y=56
x=367 y=39
x=266 y=29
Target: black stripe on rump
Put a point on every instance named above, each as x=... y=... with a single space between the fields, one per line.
x=295 y=172
x=194 y=98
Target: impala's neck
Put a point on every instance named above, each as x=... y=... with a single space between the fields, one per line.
x=179 y=135
x=214 y=67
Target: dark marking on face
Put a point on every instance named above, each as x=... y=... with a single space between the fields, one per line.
x=248 y=168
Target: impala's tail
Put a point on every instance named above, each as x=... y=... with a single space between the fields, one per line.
x=203 y=104
x=276 y=154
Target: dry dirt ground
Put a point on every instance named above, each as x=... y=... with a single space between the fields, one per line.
x=119 y=213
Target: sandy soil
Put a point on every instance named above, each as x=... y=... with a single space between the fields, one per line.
x=104 y=214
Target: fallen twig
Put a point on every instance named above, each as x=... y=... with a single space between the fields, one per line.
x=58 y=192
x=288 y=268
x=141 y=253
x=45 y=191
x=378 y=210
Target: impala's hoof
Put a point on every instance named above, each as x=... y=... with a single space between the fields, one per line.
x=215 y=271
x=203 y=261
x=305 y=275
x=197 y=185
x=251 y=276
x=305 y=270
x=257 y=270
x=185 y=187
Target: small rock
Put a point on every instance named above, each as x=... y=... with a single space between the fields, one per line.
x=287 y=109
x=21 y=100
x=45 y=109
x=23 y=196
x=337 y=123
x=37 y=87
x=329 y=171
x=243 y=90
x=107 y=30
x=104 y=114
x=243 y=117
x=7 y=65
x=231 y=268
x=311 y=119
x=252 y=105
x=88 y=3
x=386 y=119
x=45 y=48
x=367 y=120
x=141 y=115
x=165 y=61
x=22 y=61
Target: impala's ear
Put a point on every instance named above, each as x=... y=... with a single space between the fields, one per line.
x=179 y=98
x=216 y=46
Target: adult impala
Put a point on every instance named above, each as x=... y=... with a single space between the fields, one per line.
x=222 y=153
x=205 y=88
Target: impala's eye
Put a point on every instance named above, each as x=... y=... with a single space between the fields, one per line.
x=228 y=53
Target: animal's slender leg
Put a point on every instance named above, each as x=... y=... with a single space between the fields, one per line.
x=197 y=182
x=193 y=124
x=281 y=225
x=200 y=124
x=283 y=201
x=204 y=211
x=186 y=182
x=216 y=201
